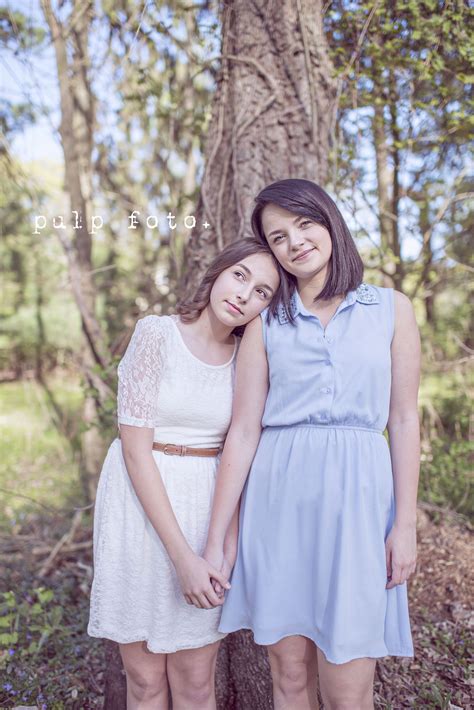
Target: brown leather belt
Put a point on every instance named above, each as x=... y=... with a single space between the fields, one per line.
x=182 y=450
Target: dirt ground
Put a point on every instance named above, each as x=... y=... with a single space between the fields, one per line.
x=70 y=668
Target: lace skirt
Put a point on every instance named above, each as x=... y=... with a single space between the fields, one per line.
x=135 y=592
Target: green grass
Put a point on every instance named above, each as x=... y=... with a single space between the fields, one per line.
x=36 y=461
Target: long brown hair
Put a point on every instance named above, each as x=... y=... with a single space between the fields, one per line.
x=191 y=308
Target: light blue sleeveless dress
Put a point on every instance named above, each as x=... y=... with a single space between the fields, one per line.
x=318 y=503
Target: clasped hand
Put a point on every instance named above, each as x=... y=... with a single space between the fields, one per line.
x=199 y=580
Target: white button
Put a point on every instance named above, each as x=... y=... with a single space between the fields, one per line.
x=326 y=390
x=329 y=340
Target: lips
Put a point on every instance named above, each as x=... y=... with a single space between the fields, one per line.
x=307 y=251
x=235 y=308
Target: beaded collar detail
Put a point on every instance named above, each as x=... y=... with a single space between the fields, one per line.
x=365 y=293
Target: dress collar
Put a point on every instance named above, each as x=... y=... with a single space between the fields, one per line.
x=365 y=293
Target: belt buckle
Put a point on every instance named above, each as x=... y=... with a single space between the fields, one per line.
x=165 y=450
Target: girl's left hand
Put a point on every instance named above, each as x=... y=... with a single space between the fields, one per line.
x=400 y=554
x=222 y=560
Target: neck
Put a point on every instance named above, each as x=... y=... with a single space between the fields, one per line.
x=310 y=288
x=212 y=328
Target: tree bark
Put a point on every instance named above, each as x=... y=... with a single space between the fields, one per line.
x=243 y=677
x=382 y=169
x=384 y=172
x=399 y=274
x=115 y=688
x=271 y=117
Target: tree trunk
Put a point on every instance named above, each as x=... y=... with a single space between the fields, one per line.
x=76 y=129
x=382 y=168
x=426 y=256
x=384 y=172
x=399 y=274
x=271 y=117
x=115 y=689
x=243 y=677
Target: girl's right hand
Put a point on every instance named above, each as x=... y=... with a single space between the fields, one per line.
x=226 y=569
x=195 y=574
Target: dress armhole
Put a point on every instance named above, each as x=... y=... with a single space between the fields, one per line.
x=264 y=321
x=391 y=313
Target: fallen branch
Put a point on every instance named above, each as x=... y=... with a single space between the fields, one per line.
x=74 y=547
x=66 y=539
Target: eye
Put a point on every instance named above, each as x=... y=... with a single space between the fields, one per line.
x=261 y=292
x=278 y=238
x=305 y=222
x=239 y=275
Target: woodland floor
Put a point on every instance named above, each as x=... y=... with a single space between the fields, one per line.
x=52 y=663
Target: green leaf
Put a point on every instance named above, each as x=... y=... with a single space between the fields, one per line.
x=10 y=599
x=56 y=616
x=8 y=639
x=44 y=595
x=36 y=609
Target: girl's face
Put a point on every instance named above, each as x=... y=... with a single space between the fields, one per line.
x=302 y=246
x=242 y=291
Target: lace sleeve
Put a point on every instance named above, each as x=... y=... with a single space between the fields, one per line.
x=139 y=374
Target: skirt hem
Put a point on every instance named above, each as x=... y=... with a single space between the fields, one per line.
x=154 y=648
x=259 y=640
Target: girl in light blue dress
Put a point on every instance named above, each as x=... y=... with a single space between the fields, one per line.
x=327 y=533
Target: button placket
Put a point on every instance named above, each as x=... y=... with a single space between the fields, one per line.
x=326 y=389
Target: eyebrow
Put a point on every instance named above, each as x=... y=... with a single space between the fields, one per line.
x=245 y=268
x=277 y=231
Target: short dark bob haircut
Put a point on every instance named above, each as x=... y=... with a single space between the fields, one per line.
x=305 y=198
x=190 y=309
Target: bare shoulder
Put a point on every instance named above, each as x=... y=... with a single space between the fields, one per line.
x=253 y=333
x=252 y=348
x=404 y=312
x=401 y=300
x=406 y=341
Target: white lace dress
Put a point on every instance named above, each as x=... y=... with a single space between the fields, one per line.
x=135 y=592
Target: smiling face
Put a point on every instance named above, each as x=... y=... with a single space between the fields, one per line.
x=242 y=291
x=302 y=246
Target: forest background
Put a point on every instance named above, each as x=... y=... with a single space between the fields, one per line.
x=178 y=113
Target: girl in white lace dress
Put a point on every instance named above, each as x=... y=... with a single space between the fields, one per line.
x=152 y=591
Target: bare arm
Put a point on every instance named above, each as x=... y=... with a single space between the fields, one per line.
x=230 y=542
x=251 y=389
x=145 y=476
x=143 y=472
x=404 y=433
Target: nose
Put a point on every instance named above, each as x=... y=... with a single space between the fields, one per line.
x=296 y=239
x=244 y=294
